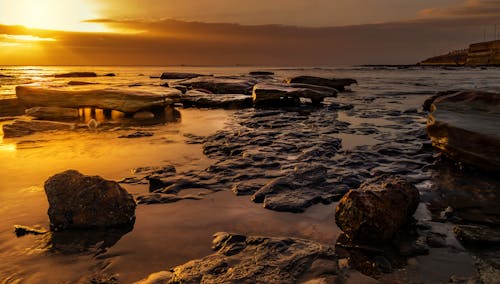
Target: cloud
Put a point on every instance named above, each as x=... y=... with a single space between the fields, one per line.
x=467 y=9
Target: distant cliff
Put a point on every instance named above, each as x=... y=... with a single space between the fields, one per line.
x=478 y=54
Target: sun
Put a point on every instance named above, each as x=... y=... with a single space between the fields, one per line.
x=66 y=15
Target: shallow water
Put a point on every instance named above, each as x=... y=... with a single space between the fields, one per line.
x=171 y=234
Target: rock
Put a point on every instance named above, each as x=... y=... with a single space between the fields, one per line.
x=20 y=231
x=76 y=74
x=123 y=100
x=79 y=201
x=264 y=93
x=158 y=198
x=261 y=73
x=196 y=98
x=465 y=126
x=220 y=85
x=53 y=113
x=378 y=209
x=428 y=102
x=137 y=134
x=181 y=88
x=481 y=235
x=179 y=75
x=21 y=128
x=79 y=83
x=253 y=259
x=143 y=115
x=338 y=84
x=11 y=107
x=5 y=76
x=110 y=75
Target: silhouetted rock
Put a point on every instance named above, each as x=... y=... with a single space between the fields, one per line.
x=137 y=134
x=197 y=98
x=53 y=113
x=124 y=100
x=220 y=85
x=378 y=209
x=110 y=75
x=20 y=231
x=76 y=74
x=465 y=126
x=21 y=128
x=338 y=84
x=178 y=75
x=79 y=201
x=261 y=73
x=79 y=83
x=266 y=94
x=252 y=259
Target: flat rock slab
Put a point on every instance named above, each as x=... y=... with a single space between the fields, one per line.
x=196 y=98
x=254 y=259
x=338 y=84
x=124 y=100
x=11 y=107
x=21 y=128
x=220 y=85
x=466 y=127
x=53 y=113
x=76 y=75
x=264 y=93
x=179 y=75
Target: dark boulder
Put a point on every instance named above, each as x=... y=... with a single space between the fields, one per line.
x=378 y=209
x=179 y=75
x=220 y=85
x=197 y=98
x=79 y=201
x=21 y=128
x=11 y=107
x=76 y=75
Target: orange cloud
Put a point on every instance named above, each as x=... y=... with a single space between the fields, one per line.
x=467 y=9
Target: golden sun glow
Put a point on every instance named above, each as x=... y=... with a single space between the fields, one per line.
x=67 y=15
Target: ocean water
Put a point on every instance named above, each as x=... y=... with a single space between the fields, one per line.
x=171 y=234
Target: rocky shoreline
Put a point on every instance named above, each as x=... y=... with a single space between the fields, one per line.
x=285 y=149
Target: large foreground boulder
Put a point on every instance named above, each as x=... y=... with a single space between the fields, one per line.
x=377 y=210
x=338 y=84
x=264 y=93
x=124 y=100
x=79 y=201
x=466 y=127
x=220 y=85
x=253 y=259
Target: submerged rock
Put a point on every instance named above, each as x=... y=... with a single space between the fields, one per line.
x=261 y=73
x=53 y=113
x=79 y=201
x=21 y=128
x=378 y=209
x=338 y=84
x=253 y=259
x=277 y=93
x=124 y=100
x=76 y=74
x=20 y=231
x=179 y=75
x=220 y=85
x=197 y=98
x=137 y=134
x=79 y=83
x=466 y=127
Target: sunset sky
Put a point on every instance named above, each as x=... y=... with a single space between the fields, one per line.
x=247 y=32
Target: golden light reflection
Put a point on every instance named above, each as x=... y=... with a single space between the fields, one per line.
x=19 y=38
x=6 y=147
x=67 y=15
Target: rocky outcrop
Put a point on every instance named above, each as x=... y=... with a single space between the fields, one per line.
x=197 y=98
x=124 y=100
x=264 y=94
x=254 y=259
x=79 y=201
x=261 y=73
x=179 y=75
x=220 y=85
x=465 y=126
x=11 y=107
x=377 y=210
x=53 y=113
x=338 y=84
x=76 y=75
x=79 y=83
x=21 y=128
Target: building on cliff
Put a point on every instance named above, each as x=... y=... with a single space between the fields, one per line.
x=478 y=54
